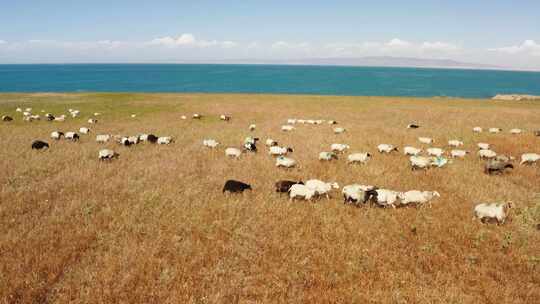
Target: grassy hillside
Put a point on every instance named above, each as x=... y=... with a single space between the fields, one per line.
x=153 y=226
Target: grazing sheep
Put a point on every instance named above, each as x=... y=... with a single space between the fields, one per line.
x=411 y=151
x=97 y=114
x=103 y=138
x=92 y=121
x=18 y=110
x=492 y=212
x=7 y=118
x=327 y=156
x=413 y=126
x=151 y=138
x=497 y=167
x=107 y=154
x=286 y=128
x=133 y=139
x=271 y=143
x=421 y=162
x=28 y=109
x=339 y=147
x=458 y=153
x=164 y=140
x=301 y=121
x=210 y=143
x=385 y=197
x=477 y=130
x=56 y=135
x=225 y=117
x=426 y=140
x=332 y=122
x=286 y=162
x=486 y=154
x=234 y=186
x=291 y=121
x=125 y=141
x=417 y=197
x=283 y=186
x=362 y=158
x=357 y=194
x=183 y=117
x=133 y=115
x=49 y=117
x=301 y=191
x=516 y=131
x=529 y=158
x=39 y=145
x=438 y=152
x=320 y=187
x=495 y=130
x=537 y=133
x=60 y=118
x=339 y=130
x=233 y=152
x=72 y=136
x=250 y=146
x=252 y=127
x=455 y=143
x=196 y=116
x=84 y=130
x=276 y=151
x=504 y=158
x=483 y=146
x=386 y=148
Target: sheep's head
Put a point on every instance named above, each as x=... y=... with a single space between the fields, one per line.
x=289 y=149
x=436 y=194
x=334 y=185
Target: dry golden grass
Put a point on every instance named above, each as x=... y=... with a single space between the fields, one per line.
x=154 y=227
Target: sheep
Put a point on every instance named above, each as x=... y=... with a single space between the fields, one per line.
x=357 y=193
x=250 y=144
x=497 y=212
x=477 y=130
x=386 y=148
x=18 y=110
x=183 y=117
x=49 y=117
x=494 y=130
x=276 y=151
x=97 y=114
x=126 y=141
x=107 y=154
x=164 y=140
x=60 y=118
x=28 y=109
x=234 y=186
x=412 y=151
x=252 y=127
x=537 y=133
x=455 y=143
x=417 y=197
x=72 y=136
x=483 y=146
x=339 y=147
x=497 y=167
x=486 y=154
x=225 y=117
x=421 y=162
x=301 y=121
x=84 y=130
x=92 y=121
x=327 y=156
x=385 y=197
x=39 y=145
x=283 y=186
x=339 y=130
x=438 y=152
x=291 y=121
x=287 y=128
x=504 y=158
x=301 y=191
x=458 y=153
x=362 y=158
x=515 y=131
x=196 y=116
x=426 y=140
x=332 y=122
x=133 y=115
x=285 y=162
x=320 y=187
x=6 y=118
x=529 y=158
x=151 y=138
x=56 y=135
x=413 y=126
x=103 y=138
x=210 y=143
x=271 y=143
x=233 y=152
x=133 y=139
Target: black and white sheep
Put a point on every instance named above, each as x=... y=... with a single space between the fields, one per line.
x=497 y=167
x=39 y=145
x=283 y=186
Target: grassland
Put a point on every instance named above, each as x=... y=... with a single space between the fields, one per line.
x=154 y=227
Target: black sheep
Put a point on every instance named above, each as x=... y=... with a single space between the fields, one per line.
x=152 y=138
x=233 y=186
x=413 y=126
x=39 y=145
x=283 y=186
x=7 y=118
x=537 y=133
x=497 y=167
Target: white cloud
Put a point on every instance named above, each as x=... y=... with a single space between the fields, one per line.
x=397 y=43
x=528 y=47
x=189 y=40
x=439 y=46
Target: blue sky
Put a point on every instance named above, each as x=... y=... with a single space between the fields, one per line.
x=491 y=31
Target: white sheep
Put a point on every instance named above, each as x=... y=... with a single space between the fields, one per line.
x=286 y=162
x=270 y=142
x=183 y=117
x=233 y=152
x=277 y=151
x=495 y=130
x=339 y=130
x=301 y=121
x=386 y=198
x=483 y=146
x=103 y=138
x=320 y=187
x=487 y=153
x=291 y=121
x=71 y=136
x=362 y=157
x=60 y=118
x=421 y=162
x=438 y=152
x=426 y=140
x=196 y=116
x=529 y=158
x=494 y=211
x=515 y=131
x=84 y=130
x=356 y=193
x=455 y=143
x=327 y=156
x=224 y=117
x=18 y=110
x=477 y=130
x=107 y=154
x=339 y=147
x=92 y=121
x=28 y=109
x=411 y=151
x=332 y=122
x=458 y=153
x=301 y=191
x=286 y=128
x=56 y=135
x=417 y=197
x=97 y=114
x=164 y=140
x=386 y=148
x=210 y=143
x=252 y=127
x=133 y=115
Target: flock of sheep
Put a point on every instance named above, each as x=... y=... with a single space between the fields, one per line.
x=355 y=194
